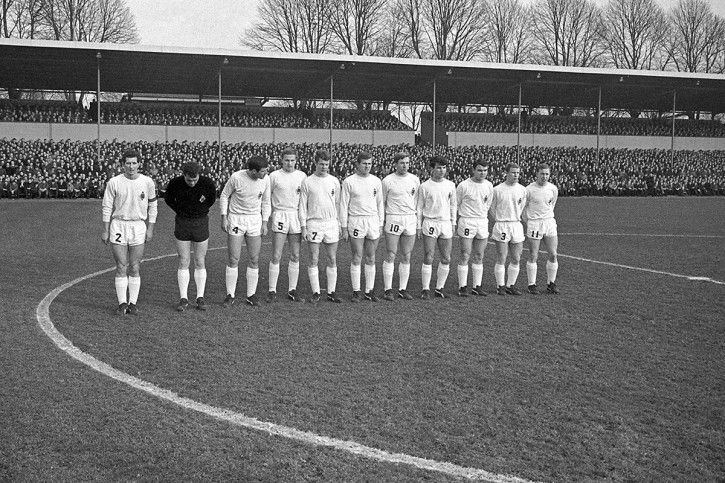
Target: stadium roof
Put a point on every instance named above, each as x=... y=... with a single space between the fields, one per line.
x=126 y=68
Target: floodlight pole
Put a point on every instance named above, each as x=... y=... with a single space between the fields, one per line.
x=672 y=141
x=98 y=107
x=518 y=131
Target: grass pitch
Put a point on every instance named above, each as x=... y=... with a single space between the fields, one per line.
x=621 y=377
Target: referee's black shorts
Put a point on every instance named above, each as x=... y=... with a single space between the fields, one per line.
x=192 y=229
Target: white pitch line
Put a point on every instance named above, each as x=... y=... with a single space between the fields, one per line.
x=642 y=234
x=46 y=324
x=659 y=272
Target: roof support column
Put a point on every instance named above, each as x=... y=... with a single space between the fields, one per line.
x=518 y=131
x=332 y=96
x=434 y=117
x=672 y=141
x=599 y=121
x=98 y=107
x=219 y=111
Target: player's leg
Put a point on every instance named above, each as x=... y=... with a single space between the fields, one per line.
x=426 y=270
x=254 y=245
x=391 y=250
x=135 y=253
x=407 y=243
x=513 y=269
x=183 y=249
x=499 y=269
x=465 y=255
x=234 y=252
x=331 y=271
x=357 y=247
x=294 y=241
x=477 y=251
x=200 y=249
x=278 y=241
x=313 y=271
x=552 y=263
x=370 y=246
x=531 y=264
x=445 y=246
x=120 y=281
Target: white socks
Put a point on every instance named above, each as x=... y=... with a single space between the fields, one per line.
x=121 y=284
x=183 y=277
x=388 y=271
x=442 y=275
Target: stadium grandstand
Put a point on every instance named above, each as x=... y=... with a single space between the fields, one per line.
x=61 y=149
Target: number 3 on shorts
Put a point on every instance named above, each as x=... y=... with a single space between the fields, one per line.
x=503 y=236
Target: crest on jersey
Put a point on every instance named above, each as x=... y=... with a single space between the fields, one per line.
x=143 y=195
x=202 y=199
x=259 y=195
x=485 y=199
x=520 y=200
x=298 y=190
x=375 y=192
x=412 y=192
x=551 y=200
x=332 y=191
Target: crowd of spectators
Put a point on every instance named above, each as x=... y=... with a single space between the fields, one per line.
x=70 y=169
x=185 y=114
x=612 y=126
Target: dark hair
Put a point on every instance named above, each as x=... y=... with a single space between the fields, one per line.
x=511 y=166
x=191 y=168
x=364 y=155
x=322 y=155
x=438 y=160
x=542 y=166
x=289 y=151
x=131 y=153
x=400 y=155
x=480 y=162
x=256 y=163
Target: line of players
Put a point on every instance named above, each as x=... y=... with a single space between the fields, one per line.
x=321 y=210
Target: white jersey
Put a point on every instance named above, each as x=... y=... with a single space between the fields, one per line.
x=400 y=194
x=361 y=196
x=474 y=199
x=130 y=199
x=437 y=201
x=508 y=202
x=540 y=201
x=319 y=198
x=243 y=195
x=285 y=189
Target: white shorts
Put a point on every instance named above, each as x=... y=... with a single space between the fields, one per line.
x=437 y=229
x=364 y=227
x=473 y=227
x=538 y=229
x=240 y=225
x=508 y=232
x=124 y=232
x=400 y=224
x=323 y=231
x=287 y=222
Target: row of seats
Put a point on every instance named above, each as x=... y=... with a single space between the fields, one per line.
x=576 y=171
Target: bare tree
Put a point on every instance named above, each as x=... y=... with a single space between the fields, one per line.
x=565 y=32
x=291 y=26
x=357 y=23
x=391 y=39
x=696 y=40
x=444 y=29
x=507 y=32
x=634 y=33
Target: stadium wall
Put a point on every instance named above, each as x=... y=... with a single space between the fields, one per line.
x=456 y=139
x=152 y=133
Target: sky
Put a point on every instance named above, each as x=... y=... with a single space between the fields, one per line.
x=213 y=24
